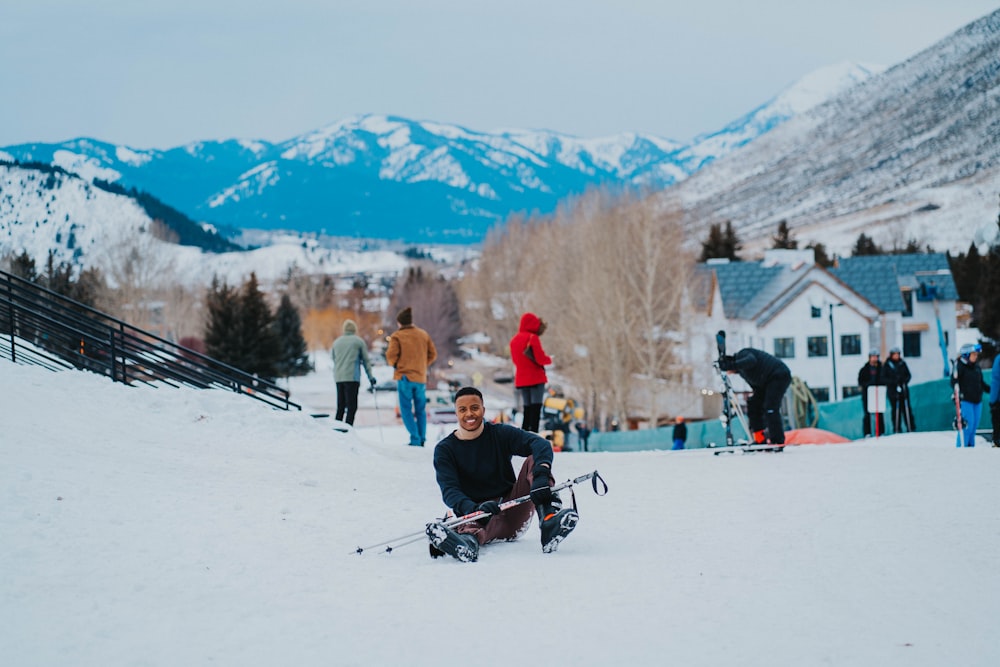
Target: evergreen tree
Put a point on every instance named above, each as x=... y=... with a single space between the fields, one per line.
x=241 y=329
x=783 y=238
x=822 y=258
x=294 y=358
x=965 y=271
x=987 y=308
x=222 y=332
x=23 y=266
x=865 y=246
x=721 y=244
x=261 y=346
x=58 y=278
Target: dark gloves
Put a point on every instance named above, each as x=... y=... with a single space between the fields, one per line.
x=541 y=493
x=371 y=381
x=727 y=363
x=491 y=507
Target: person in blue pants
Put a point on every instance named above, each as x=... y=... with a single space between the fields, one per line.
x=968 y=378
x=680 y=434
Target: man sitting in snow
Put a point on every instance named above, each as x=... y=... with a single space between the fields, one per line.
x=474 y=471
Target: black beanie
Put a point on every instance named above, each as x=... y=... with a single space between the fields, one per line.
x=405 y=317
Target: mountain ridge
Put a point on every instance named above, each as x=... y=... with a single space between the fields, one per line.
x=391 y=177
x=910 y=153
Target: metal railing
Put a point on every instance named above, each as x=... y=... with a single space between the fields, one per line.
x=41 y=327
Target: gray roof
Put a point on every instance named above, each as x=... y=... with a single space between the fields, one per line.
x=746 y=286
x=879 y=278
x=749 y=288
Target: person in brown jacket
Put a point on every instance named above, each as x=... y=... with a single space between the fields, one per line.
x=410 y=352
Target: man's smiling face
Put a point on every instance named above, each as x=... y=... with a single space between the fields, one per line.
x=469 y=409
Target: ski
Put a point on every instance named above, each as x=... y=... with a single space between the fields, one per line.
x=410 y=538
x=746 y=449
x=959 y=423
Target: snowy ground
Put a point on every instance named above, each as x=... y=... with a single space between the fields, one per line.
x=143 y=526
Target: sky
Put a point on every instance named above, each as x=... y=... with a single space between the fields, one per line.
x=158 y=74
x=162 y=527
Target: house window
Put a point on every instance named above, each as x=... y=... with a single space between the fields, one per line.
x=851 y=390
x=784 y=348
x=850 y=345
x=817 y=346
x=821 y=394
x=911 y=344
x=907 y=303
x=816 y=312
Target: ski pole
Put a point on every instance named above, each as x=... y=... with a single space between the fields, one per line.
x=378 y=415
x=410 y=538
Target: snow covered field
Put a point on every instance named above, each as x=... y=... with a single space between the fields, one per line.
x=143 y=526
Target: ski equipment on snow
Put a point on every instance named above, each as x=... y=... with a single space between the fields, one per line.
x=959 y=423
x=463 y=547
x=556 y=526
x=409 y=538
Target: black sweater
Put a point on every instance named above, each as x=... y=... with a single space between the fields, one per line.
x=758 y=367
x=969 y=379
x=471 y=471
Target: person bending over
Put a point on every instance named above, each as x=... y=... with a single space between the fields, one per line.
x=769 y=379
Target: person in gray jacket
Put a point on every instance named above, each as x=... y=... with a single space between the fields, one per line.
x=350 y=353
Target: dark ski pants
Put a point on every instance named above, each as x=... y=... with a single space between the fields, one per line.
x=532 y=398
x=995 y=416
x=902 y=413
x=510 y=524
x=347 y=401
x=879 y=417
x=764 y=408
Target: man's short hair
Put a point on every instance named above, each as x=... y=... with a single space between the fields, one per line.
x=468 y=391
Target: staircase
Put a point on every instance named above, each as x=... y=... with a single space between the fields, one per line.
x=39 y=326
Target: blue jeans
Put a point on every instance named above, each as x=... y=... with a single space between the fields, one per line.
x=678 y=444
x=971 y=413
x=413 y=408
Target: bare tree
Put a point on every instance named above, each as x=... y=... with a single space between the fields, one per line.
x=609 y=276
x=136 y=266
x=658 y=273
x=435 y=307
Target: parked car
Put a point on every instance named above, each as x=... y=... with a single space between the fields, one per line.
x=384 y=385
x=503 y=376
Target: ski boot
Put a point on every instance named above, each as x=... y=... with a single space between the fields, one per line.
x=555 y=524
x=444 y=540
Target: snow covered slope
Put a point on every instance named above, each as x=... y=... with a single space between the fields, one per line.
x=181 y=527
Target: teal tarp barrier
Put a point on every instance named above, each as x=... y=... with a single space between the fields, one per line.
x=933 y=410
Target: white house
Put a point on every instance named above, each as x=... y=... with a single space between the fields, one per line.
x=823 y=322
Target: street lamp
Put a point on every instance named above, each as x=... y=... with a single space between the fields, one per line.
x=833 y=351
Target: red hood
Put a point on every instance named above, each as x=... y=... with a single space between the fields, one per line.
x=530 y=323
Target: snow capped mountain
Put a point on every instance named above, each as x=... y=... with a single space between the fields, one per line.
x=807 y=93
x=82 y=224
x=389 y=177
x=911 y=153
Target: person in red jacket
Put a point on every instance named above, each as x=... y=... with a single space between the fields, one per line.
x=530 y=361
